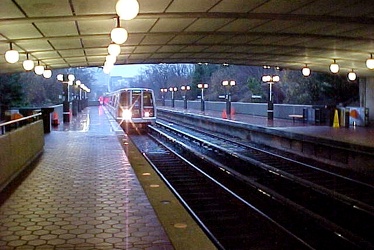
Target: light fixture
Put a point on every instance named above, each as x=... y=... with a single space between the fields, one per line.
x=106 y=70
x=370 y=62
x=28 y=64
x=127 y=9
x=275 y=78
x=119 y=35
x=270 y=79
x=39 y=69
x=306 y=71
x=114 y=49
x=352 y=76
x=60 y=77
x=266 y=78
x=11 y=56
x=71 y=77
x=110 y=59
x=47 y=73
x=334 y=67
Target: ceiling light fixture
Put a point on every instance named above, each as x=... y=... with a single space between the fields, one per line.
x=110 y=59
x=114 y=49
x=47 y=73
x=119 y=35
x=370 y=62
x=306 y=71
x=28 y=64
x=334 y=67
x=39 y=69
x=127 y=9
x=352 y=76
x=11 y=56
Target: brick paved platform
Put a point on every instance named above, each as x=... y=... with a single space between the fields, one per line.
x=82 y=194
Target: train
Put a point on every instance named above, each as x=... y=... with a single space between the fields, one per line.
x=133 y=108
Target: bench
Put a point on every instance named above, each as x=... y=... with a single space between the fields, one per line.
x=294 y=117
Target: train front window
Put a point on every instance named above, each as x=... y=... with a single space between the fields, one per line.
x=147 y=99
x=136 y=105
x=148 y=104
x=125 y=99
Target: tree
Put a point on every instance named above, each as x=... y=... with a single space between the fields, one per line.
x=255 y=87
x=11 y=93
x=165 y=75
x=318 y=88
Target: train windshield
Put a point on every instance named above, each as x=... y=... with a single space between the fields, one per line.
x=125 y=97
x=136 y=105
x=147 y=99
x=148 y=104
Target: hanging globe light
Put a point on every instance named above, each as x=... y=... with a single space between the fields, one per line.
x=11 y=56
x=127 y=9
x=114 y=49
x=119 y=35
x=306 y=71
x=28 y=64
x=370 y=62
x=110 y=59
x=39 y=69
x=352 y=76
x=334 y=67
x=47 y=73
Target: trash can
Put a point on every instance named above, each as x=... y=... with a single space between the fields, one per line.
x=46 y=115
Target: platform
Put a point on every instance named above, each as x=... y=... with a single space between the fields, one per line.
x=348 y=149
x=84 y=194
x=363 y=136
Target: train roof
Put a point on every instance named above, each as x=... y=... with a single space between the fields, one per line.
x=128 y=89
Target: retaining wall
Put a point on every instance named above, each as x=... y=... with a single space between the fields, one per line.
x=18 y=149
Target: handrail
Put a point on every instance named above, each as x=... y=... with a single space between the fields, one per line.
x=3 y=125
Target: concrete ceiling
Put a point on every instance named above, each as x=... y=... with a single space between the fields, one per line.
x=284 y=33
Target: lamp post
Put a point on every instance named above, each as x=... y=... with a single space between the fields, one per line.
x=228 y=84
x=78 y=83
x=270 y=80
x=66 y=79
x=163 y=92
x=172 y=90
x=202 y=86
x=85 y=90
x=185 y=89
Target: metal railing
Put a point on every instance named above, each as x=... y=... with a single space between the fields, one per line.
x=15 y=124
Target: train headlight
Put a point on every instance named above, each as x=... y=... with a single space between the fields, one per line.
x=126 y=114
x=147 y=114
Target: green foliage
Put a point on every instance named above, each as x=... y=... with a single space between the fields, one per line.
x=11 y=93
x=255 y=87
x=319 y=88
x=28 y=89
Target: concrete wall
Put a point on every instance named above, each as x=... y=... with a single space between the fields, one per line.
x=18 y=149
x=258 y=109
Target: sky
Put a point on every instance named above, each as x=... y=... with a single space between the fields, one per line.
x=126 y=70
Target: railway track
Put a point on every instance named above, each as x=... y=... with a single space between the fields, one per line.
x=261 y=189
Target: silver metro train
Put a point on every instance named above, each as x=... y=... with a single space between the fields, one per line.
x=133 y=108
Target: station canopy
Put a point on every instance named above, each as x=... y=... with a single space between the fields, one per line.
x=284 y=33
